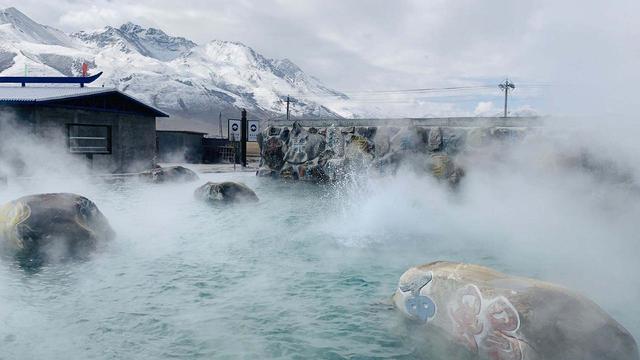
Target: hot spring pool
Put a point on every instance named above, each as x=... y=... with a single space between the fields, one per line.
x=307 y=273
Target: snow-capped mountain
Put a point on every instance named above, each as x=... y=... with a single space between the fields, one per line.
x=24 y=29
x=172 y=73
x=130 y=37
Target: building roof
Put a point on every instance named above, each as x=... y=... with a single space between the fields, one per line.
x=49 y=79
x=14 y=95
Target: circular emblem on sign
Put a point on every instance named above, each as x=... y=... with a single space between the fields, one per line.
x=234 y=127
x=254 y=127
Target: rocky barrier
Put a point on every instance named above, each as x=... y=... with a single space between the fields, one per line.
x=326 y=152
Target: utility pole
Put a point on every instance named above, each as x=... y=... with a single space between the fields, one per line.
x=220 y=122
x=505 y=87
x=287 y=108
x=243 y=138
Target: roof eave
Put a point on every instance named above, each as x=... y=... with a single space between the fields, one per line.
x=156 y=112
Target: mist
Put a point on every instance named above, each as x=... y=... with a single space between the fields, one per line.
x=560 y=204
x=309 y=270
x=36 y=163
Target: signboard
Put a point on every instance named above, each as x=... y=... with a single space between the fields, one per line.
x=234 y=129
x=253 y=127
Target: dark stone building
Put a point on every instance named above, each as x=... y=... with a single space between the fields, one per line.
x=116 y=132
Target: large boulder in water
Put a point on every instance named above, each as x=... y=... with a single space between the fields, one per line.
x=496 y=316
x=225 y=193
x=52 y=227
x=169 y=174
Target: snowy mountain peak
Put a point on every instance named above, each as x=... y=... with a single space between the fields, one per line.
x=131 y=28
x=14 y=16
x=22 y=28
x=131 y=37
x=12 y=12
x=230 y=52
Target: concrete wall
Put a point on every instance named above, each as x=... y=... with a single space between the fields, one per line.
x=133 y=137
x=484 y=122
x=176 y=146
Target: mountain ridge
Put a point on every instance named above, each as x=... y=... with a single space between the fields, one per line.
x=173 y=73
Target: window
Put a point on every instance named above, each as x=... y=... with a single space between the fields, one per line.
x=89 y=139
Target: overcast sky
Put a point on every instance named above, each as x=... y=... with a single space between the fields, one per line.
x=399 y=44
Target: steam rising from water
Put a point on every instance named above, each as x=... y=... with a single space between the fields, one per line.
x=308 y=271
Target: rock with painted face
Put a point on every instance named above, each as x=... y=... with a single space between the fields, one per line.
x=500 y=317
x=273 y=146
x=169 y=174
x=48 y=228
x=225 y=193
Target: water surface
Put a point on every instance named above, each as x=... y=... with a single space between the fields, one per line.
x=307 y=273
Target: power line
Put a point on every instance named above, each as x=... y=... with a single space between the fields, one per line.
x=438 y=89
x=413 y=95
x=418 y=90
x=377 y=94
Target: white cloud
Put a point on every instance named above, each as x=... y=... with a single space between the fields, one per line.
x=484 y=108
x=87 y=18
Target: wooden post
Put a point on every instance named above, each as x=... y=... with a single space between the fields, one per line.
x=244 y=137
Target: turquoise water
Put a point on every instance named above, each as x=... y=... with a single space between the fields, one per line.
x=305 y=274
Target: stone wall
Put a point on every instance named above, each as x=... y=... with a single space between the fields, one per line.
x=319 y=151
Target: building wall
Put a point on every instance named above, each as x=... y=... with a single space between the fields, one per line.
x=176 y=146
x=132 y=136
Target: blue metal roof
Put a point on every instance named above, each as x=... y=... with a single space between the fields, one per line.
x=49 y=79
x=42 y=95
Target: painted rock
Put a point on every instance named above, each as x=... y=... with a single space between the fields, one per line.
x=273 y=146
x=359 y=151
x=444 y=168
x=52 y=227
x=303 y=146
x=434 y=141
x=273 y=153
x=501 y=317
x=169 y=174
x=335 y=141
x=225 y=193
